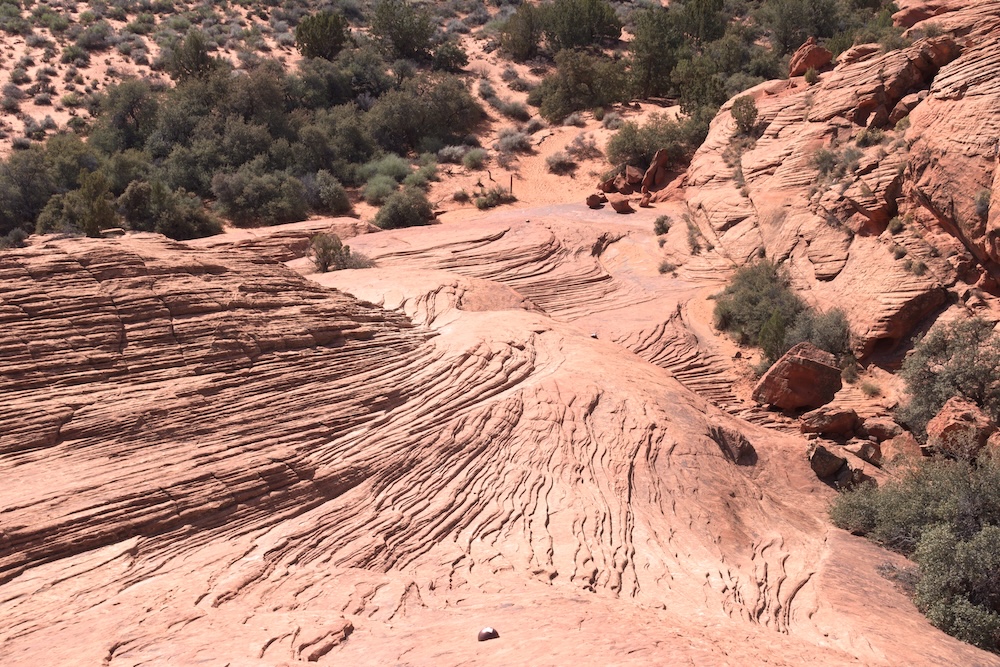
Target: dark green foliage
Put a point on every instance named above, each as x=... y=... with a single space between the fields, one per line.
x=322 y=35
x=423 y=108
x=699 y=84
x=329 y=253
x=661 y=225
x=191 y=58
x=96 y=36
x=744 y=112
x=401 y=30
x=946 y=516
x=581 y=81
x=961 y=358
x=654 y=47
x=333 y=198
x=573 y=24
x=249 y=197
x=828 y=331
x=983 y=203
x=378 y=189
x=88 y=209
x=152 y=207
x=494 y=197
x=703 y=20
x=126 y=117
x=449 y=56
x=636 y=144
x=520 y=35
x=407 y=208
x=791 y=22
x=758 y=295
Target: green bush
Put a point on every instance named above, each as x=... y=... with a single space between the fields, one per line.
x=757 y=306
x=983 y=203
x=521 y=33
x=378 y=189
x=322 y=35
x=449 y=56
x=961 y=358
x=572 y=24
x=581 y=81
x=661 y=225
x=407 y=208
x=328 y=253
x=248 y=197
x=812 y=76
x=474 y=158
x=331 y=193
x=494 y=197
x=654 y=46
x=560 y=163
x=946 y=516
x=636 y=144
x=828 y=331
x=744 y=112
x=401 y=30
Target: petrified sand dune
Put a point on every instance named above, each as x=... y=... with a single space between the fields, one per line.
x=208 y=458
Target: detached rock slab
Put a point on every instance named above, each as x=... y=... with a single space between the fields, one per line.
x=805 y=377
x=620 y=204
x=825 y=463
x=902 y=447
x=809 y=55
x=881 y=428
x=959 y=426
x=831 y=421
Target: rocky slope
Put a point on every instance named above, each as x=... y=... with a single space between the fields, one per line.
x=908 y=134
x=209 y=458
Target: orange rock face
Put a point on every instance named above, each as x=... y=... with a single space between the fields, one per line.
x=805 y=376
x=809 y=56
x=960 y=427
x=208 y=458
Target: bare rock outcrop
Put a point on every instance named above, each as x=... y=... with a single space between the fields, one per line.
x=960 y=427
x=829 y=421
x=881 y=428
x=825 y=463
x=835 y=164
x=804 y=377
x=809 y=56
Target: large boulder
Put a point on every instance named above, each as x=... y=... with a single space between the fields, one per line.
x=656 y=175
x=881 y=428
x=825 y=463
x=829 y=421
x=865 y=450
x=596 y=200
x=809 y=56
x=960 y=428
x=620 y=203
x=903 y=447
x=805 y=377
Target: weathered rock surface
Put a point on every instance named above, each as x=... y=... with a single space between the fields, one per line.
x=620 y=203
x=902 y=447
x=804 y=377
x=829 y=225
x=829 y=420
x=825 y=463
x=960 y=427
x=865 y=450
x=208 y=458
x=596 y=200
x=881 y=428
x=809 y=56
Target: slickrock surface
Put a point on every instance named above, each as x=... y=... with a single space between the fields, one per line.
x=210 y=459
x=833 y=226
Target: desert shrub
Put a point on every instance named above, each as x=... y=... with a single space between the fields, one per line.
x=521 y=33
x=378 y=189
x=407 y=208
x=667 y=267
x=961 y=358
x=15 y=238
x=401 y=30
x=512 y=109
x=88 y=209
x=811 y=76
x=332 y=195
x=494 y=197
x=570 y=24
x=329 y=253
x=583 y=147
x=827 y=330
x=249 y=197
x=511 y=140
x=757 y=306
x=898 y=252
x=96 y=37
x=655 y=42
x=945 y=515
x=612 y=120
x=636 y=144
x=744 y=112
x=474 y=158
x=895 y=225
x=322 y=35
x=699 y=83
x=534 y=125
x=19 y=75
x=461 y=196
x=560 y=163
x=191 y=58
x=575 y=119
x=452 y=154
x=661 y=225
x=581 y=81
x=390 y=165
x=422 y=109
x=870 y=136
x=449 y=56
x=153 y=207
x=983 y=203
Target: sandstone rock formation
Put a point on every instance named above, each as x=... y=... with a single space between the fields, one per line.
x=902 y=447
x=960 y=427
x=809 y=56
x=596 y=200
x=620 y=203
x=881 y=428
x=825 y=463
x=804 y=377
x=829 y=420
x=834 y=165
x=208 y=458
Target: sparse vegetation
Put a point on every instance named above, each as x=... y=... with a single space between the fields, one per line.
x=560 y=163
x=328 y=253
x=661 y=225
x=406 y=208
x=744 y=112
x=983 y=203
x=945 y=515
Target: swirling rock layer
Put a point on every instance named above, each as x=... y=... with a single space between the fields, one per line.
x=208 y=458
